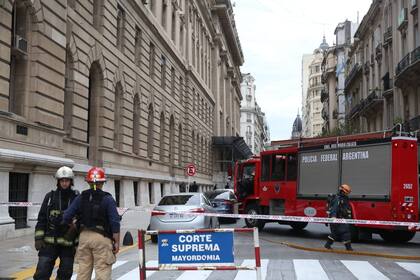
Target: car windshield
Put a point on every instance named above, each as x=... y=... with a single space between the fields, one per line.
x=217 y=195
x=180 y=200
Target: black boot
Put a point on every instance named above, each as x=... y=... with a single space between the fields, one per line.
x=329 y=243
x=348 y=246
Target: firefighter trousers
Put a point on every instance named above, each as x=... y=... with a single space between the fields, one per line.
x=47 y=257
x=340 y=232
x=94 y=251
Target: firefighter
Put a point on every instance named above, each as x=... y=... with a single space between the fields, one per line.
x=340 y=208
x=100 y=227
x=53 y=240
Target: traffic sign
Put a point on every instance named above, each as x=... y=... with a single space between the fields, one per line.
x=190 y=169
x=196 y=248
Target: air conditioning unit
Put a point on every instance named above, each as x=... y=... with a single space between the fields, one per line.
x=21 y=44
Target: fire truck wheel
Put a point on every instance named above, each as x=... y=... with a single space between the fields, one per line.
x=298 y=225
x=253 y=209
x=397 y=236
x=354 y=232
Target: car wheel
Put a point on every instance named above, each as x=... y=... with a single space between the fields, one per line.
x=298 y=225
x=397 y=236
x=253 y=209
x=154 y=238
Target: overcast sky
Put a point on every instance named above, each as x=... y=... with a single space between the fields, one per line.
x=274 y=35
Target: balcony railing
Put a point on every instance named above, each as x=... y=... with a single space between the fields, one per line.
x=415 y=55
x=355 y=110
x=403 y=64
x=403 y=19
x=353 y=72
x=388 y=36
x=372 y=100
x=324 y=95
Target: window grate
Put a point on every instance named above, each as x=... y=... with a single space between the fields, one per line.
x=18 y=192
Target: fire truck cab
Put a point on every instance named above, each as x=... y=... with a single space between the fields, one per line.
x=296 y=180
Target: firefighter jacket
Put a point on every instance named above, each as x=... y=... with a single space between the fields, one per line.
x=48 y=226
x=340 y=207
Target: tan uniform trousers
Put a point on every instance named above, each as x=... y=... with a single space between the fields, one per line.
x=94 y=251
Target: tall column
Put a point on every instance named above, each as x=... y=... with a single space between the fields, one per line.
x=143 y=193
x=7 y=224
x=156 y=194
x=39 y=186
x=127 y=194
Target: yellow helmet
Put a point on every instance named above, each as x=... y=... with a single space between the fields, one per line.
x=346 y=189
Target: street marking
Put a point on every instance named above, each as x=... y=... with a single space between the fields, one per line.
x=363 y=270
x=412 y=267
x=196 y=275
x=135 y=274
x=250 y=274
x=115 y=265
x=309 y=268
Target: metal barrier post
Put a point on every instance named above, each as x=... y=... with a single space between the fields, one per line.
x=142 y=255
x=257 y=253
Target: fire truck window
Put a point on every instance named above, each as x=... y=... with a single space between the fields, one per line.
x=278 y=168
x=265 y=176
x=249 y=172
x=291 y=168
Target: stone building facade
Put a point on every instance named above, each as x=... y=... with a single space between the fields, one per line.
x=138 y=87
x=312 y=119
x=254 y=128
x=382 y=85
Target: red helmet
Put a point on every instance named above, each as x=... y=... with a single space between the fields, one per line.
x=95 y=175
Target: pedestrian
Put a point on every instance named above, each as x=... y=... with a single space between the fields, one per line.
x=339 y=207
x=53 y=240
x=100 y=228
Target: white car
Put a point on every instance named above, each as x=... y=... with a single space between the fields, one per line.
x=163 y=218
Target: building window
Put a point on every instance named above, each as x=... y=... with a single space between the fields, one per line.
x=118 y=116
x=136 y=193
x=18 y=192
x=152 y=61
x=117 y=192
x=248 y=117
x=416 y=35
x=68 y=92
x=138 y=46
x=173 y=81
x=98 y=14
x=150 y=131
x=20 y=59
x=151 y=191
x=95 y=92
x=181 y=39
x=193 y=148
x=163 y=71
x=162 y=137
x=172 y=140
x=136 y=125
x=173 y=25
x=120 y=28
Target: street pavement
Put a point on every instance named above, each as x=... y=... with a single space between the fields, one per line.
x=278 y=261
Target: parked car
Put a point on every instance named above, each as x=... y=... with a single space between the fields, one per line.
x=164 y=218
x=224 y=201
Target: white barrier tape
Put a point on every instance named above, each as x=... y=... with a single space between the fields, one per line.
x=122 y=211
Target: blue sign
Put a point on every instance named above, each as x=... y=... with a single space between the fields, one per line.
x=196 y=248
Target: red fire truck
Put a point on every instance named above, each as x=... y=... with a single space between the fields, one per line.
x=296 y=179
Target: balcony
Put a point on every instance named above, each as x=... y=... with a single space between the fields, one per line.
x=354 y=111
x=403 y=64
x=355 y=70
x=387 y=84
x=372 y=102
x=378 y=52
x=324 y=95
x=415 y=55
x=366 y=68
x=408 y=68
x=414 y=6
x=388 y=36
x=403 y=19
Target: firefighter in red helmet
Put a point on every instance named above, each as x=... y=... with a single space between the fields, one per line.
x=100 y=227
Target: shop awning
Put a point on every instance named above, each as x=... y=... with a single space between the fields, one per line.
x=237 y=144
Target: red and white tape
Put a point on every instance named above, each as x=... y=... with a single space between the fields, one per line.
x=304 y=219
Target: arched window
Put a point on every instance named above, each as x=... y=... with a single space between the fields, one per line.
x=120 y=28
x=150 y=132
x=136 y=125
x=118 y=116
x=172 y=140
x=68 y=92
x=98 y=14
x=20 y=58
x=162 y=137
x=96 y=81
